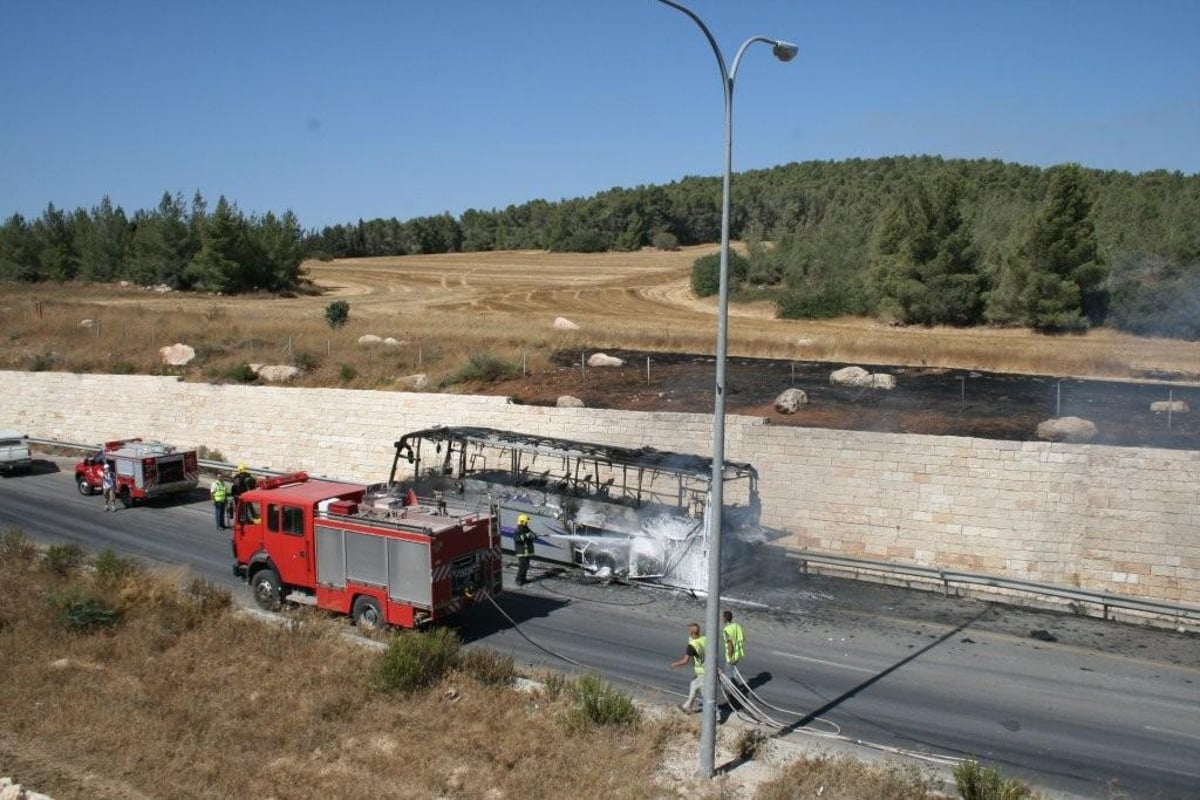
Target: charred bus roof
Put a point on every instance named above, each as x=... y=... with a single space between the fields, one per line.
x=640 y=458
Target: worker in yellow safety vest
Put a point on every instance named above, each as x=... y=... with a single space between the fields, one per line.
x=219 y=491
x=735 y=645
x=694 y=653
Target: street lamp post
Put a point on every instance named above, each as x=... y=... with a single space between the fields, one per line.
x=715 y=650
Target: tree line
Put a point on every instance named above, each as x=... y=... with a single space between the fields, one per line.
x=915 y=240
x=181 y=245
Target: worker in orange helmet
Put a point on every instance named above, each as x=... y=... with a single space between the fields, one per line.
x=523 y=543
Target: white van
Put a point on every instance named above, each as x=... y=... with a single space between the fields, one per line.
x=14 y=452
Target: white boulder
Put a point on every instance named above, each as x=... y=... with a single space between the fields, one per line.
x=1174 y=406
x=790 y=400
x=567 y=401
x=602 y=360
x=1067 y=429
x=851 y=376
x=278 y=373
x=393 y=342
x=177 y=355
x=564 y=324
x=416 y=383
x=882 y=380
x=369 y=339
x=86 y=323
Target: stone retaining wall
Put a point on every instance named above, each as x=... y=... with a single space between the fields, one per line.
x=1124 y=520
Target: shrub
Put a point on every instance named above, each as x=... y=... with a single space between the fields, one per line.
x=665 y=240
x=63 y=560
x=306 y=361
x=750 y=742
x=16 y=548
x=337 y=313
x=78 y=612
x=597 y=703
x=706 y=272
x=242 y=373
x=976 y=782
x=347 y=373
x=413 y=660
x=484 y=368
x=112 y=570
x=488 y=667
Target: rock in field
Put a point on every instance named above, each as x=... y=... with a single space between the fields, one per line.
x=1067 y=429
x=564 y=324
x=1174 y=406
x=277 y=373
x=176 y=355
x=602 y=360
x=567 y=401
x=790 y=400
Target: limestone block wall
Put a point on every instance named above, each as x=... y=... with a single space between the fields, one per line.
x=1125 y=520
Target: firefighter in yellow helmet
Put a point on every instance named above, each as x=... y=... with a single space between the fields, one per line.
x=523 y=543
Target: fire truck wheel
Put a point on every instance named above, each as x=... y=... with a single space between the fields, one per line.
x=367 y=613
x=85 y=488
x=266 y=589
x=126 y=497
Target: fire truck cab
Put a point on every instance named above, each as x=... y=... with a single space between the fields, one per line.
x=143 y=469
x=383 y=559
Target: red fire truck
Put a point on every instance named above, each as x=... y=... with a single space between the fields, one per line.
x=384 y=559
x=143 y=469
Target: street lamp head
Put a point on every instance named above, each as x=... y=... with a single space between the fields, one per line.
x=785 y=51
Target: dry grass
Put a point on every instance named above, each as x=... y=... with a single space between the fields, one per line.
x=179 y=695
x=177 y=704
x=445 y=308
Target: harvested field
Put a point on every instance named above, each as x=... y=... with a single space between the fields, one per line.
x=444 y=310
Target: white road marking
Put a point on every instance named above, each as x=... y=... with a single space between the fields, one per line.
x=866 y=670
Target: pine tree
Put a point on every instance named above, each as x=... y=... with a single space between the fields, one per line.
x=1066 y=271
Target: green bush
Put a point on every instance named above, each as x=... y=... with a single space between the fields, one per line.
x=597 y=703
x=484 y=368
x=337 y=313
x=706 y=273
x=112 y=570
x=665 y=240
x=17 y=549
x=63 y=560
x=347 y=373
x=306 y=361
x=78 y=612
x=242 y=373
x=488 y=667
x=976 y=782
x=414 y=660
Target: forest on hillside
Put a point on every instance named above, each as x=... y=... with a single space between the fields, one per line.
x=914 y=240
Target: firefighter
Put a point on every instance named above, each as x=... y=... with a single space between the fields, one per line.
x=219 y=491
x=523 y=544
x=242 y=481
x=735 y=645
x=695 y=654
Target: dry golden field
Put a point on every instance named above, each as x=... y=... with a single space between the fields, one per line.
x=445 y=308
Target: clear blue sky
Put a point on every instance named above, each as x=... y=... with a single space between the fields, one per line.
x=405 y=108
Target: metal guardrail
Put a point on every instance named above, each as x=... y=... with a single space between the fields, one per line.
x=943 y=577
x=948 y=578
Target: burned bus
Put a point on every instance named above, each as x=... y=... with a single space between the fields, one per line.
x=616 y=512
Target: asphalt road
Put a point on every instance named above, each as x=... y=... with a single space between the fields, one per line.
x=1106 y=711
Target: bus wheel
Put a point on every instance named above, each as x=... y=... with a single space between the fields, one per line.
x=126 y=497
x=265 y=587
x=367 y=614
x=85 y=488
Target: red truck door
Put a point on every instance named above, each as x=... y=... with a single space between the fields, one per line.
x=287 y=540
